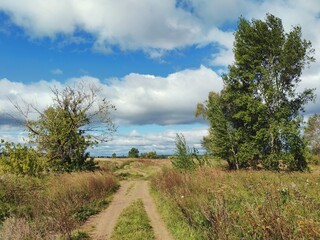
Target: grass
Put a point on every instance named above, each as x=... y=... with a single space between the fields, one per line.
x=174 y=219
x=133 y=223
x=215 y=204
x=125 y=169
x=52 y=206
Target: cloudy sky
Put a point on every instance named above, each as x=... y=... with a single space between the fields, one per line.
x=154 y=60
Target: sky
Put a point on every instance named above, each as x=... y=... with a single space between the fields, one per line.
x=154 y=60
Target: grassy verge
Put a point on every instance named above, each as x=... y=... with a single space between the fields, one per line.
x=133 y=224
x=33 y=208
x=174 y=219
x=216 y=204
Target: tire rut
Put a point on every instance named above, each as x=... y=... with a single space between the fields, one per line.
x=103 y=224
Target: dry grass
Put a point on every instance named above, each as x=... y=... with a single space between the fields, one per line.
x=55 y=205
x=133 y=168
x=245 y=204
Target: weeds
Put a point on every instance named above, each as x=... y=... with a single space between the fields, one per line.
x=245 y=204
x=55 y=205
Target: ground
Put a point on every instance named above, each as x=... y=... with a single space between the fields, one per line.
x=102 y=225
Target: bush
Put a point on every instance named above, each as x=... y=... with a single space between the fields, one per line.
x=22 y=160
x=187 y=158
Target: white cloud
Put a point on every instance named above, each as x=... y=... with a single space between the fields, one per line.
x=139 y=99
x=162 y=142
x=148 y=99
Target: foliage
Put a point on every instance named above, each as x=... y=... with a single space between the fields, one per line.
x=150 y=155
x=133 y=223
x=255 y=120
x=133 y=153
x=114 y=155
x=22 y=160
x=77 y=119
x=215 y=204
x=312 y=134
x=186 y=158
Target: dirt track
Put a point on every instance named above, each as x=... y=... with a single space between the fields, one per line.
x=102 y=225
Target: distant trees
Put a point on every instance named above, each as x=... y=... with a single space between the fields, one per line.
x=133 y=153
x=255 y=120
x=77 y=119
x=150 y=155
x=312 y=136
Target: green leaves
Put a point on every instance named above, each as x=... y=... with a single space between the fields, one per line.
x=78 y=119
x=255 y=120
x=22 y=160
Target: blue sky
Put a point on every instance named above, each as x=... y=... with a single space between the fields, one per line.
x=154 y=60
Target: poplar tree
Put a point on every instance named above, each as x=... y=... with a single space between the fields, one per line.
x=256 y=119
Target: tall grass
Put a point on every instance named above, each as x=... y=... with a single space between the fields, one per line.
x=53 y=206
x=245 y=204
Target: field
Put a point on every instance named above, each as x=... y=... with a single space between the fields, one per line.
x=217 y=204
x=208 y=203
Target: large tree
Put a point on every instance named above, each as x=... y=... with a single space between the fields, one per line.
x=255 y=120
x=78 y=118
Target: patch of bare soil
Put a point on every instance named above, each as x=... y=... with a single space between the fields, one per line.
x=101 y=226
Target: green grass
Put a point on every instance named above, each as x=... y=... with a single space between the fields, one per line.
x=126 y=169
x=216 y=204
x=174 y=219
x=133 y=224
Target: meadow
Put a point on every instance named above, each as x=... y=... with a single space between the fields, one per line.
x=53 y=206
x=206 y=203
x=213 y=203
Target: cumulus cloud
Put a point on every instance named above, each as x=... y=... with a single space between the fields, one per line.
x=162 y=142
x=148 y=99
x=153 y=26
x=139 y=99
x=156 y=26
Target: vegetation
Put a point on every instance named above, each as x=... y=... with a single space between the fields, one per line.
x=255 y=120
x=65 y=130
x=312 y=136
x=215 y=204
x=186 y=158
x=133 y=153
x=133 y=223
x=34 y=208
x=22 y=160
x=149 y=155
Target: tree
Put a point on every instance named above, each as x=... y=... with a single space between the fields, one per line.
x=114 y=155
x=150 y=155
x=312 y=134
x=77 y=119
x=187 y=158
x=133 y=153
x=255 y=120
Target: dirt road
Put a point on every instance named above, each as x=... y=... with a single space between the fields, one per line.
x=102 y=225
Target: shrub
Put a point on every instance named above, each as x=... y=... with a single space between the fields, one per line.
x=22 y=160
x=187 y=158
